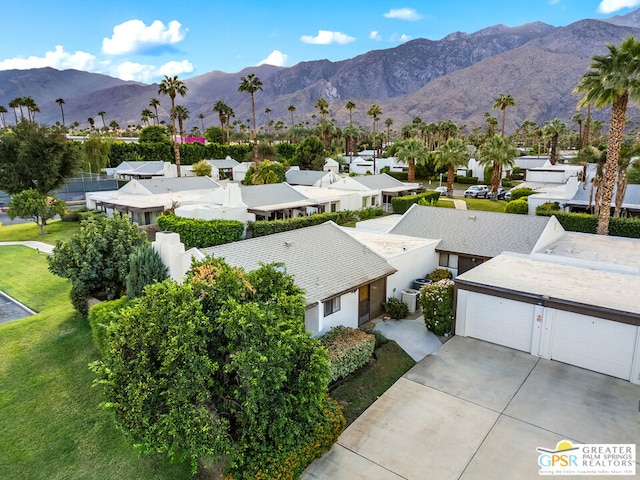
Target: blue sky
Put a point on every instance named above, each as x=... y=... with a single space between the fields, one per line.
x=143 y=40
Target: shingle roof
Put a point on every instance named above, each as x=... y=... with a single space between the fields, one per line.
x=178 y=184
x=140 y=168
x=223 y=163
x=304 y=177
x=485 y=234
x=255 y=196
x=324 y=260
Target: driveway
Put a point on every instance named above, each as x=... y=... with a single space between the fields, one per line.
x=476 y=410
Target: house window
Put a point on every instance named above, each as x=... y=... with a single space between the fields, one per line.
x=334 y=207
x=331 y=306
x=364 y=202
x=448 y=260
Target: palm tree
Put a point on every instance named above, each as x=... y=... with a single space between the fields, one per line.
x=323 y=109
x=503 y=102
x=32 y=107
x=350 y=106
x=201 y=117
x=60 y=101
x=15 y=104
x=101 y=115
x=3 y=110
x=412 y=151
x=251 y=84
x=498 y=152
x=146 y=115
x=579 y=119
x=454 y=153
x=182 y=114
x=374 y=111
x=387 y=123
x=228 y=114
x=155 y=103
x=291 y=109
x=171 y=86
x=221 y=109
x=92 y=122
x=114 y=126
x=613 y=80
x=553 y=129
x=267 y=112
x=524 y=128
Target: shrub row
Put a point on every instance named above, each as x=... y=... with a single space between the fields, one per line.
x=287 y=461
x=402 y=176
x=466 y=180
x=588 y=223
x=202 y=233
x=402 y=204
x=268 y=227
x=349 y=349
x=521 y=192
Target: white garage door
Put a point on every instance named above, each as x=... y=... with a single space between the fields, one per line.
x=501 y=321
x=593 y=343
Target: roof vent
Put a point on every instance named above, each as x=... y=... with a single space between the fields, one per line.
x=288 y=243
x=472 y=217
x=548 y=250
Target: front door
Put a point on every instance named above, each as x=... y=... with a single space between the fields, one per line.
x=377 y=294
x=363 y=305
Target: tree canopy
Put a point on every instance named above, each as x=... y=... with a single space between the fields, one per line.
x=31 y=204
x=311 y=154
x=217 y=370
x=36 y=156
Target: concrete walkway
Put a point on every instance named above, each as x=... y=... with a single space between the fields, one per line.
x=459 y=204
x=411 y=334
x=40 y=246
x=476 y=410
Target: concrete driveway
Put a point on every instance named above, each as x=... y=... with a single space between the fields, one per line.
x=476 y=410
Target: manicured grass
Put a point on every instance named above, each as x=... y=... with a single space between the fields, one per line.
x=50 y=422
x=56 y=230
x=444 y=203
x=356 y=393
x=485 y=205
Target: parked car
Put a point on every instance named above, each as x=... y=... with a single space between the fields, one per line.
x=501 y=193
x=476 y=191
x=442 y=190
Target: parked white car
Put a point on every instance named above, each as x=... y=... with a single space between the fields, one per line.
x=476 y=191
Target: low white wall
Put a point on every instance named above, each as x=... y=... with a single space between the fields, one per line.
x=318 y=324
x=413 y=264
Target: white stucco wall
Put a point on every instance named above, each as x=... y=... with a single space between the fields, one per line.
x=318 y=324
x=413 y=264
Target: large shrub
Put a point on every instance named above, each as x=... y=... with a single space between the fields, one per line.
x=402 y=204
x=268 y=227
x=521 y=192
x=440 y=274
x=395 y=308
x=519 y=206
x=145 y=268
x=100 y=316
x=436 y=300
x=202 y=233
x=96 y=259
x=349 y=349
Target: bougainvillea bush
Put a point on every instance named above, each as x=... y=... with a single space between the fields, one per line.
x=436 y=300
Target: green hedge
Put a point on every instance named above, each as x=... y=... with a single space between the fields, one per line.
x=588 y=223
x=466 y=180
x=100 y=316
x=521 y=192
x=349 y=349
x=268 y=227
x=402 y=176
x=202 y=233
x=519 y=206
x=402 y=204
x=190 y=153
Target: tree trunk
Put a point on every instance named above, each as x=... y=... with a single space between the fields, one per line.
x=411 y=177
x=255 y=131
x=554 y=146
x=620 y=192
x=616 y=131
x=451 y=174
x=495 y=180
x=587 y=128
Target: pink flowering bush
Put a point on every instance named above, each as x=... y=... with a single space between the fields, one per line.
x=436 y=300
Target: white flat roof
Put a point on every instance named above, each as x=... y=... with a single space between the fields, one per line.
x=389 y=245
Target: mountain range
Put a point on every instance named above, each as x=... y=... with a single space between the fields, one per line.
x=456 y=78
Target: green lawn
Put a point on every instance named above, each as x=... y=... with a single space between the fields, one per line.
x=50 y=423
x=356 y=393
x=485 y=205
x=56 y=230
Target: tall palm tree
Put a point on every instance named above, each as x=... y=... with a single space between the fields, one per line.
x=387 y=123
x=60 y=101
x=3 y=110
x=114 y=126
x=267 y=112
x=612 y=80
x=350 y=106
x=412 y=152
x=526 y=128
x=221 y=109
x=182 y=114
x=92 y=122
x=32 y=107
x=553 y=129
x=15 y=104
x=145 y=116
x=155 y=103
x=454 y=153
x=374 y=112
x=291 y=109
x=101 y=115
x=251 y=84
x=579 y=119
x=201 y=117
x=228 y=114
x=323 y=109
x=171 y=87
x=498 y=152
x=503 y=102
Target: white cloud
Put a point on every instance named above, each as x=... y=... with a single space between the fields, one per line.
x=374 y=35
x=176 y=68
x=57 y=58
x=610 y=6
x=133 y=36
x=554 y=2
x=276 y=58
x=403 y=14
x=401 y=38
x=326 y=37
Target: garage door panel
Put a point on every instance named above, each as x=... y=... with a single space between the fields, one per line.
x=594 y=343
x=501 y=321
